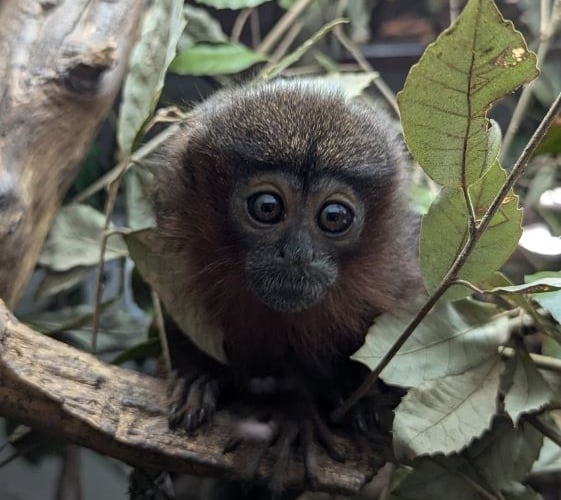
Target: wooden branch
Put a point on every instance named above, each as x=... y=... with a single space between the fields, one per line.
x=61 y=65
x=51 y=386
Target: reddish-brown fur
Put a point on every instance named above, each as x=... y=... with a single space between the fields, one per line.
x=193 y=216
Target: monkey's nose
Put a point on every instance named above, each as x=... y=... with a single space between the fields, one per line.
x=295 y=256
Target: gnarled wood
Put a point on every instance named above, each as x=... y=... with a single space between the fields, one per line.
x=61 y=65
x=49 y=385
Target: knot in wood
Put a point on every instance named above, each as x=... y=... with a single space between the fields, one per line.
x=84 y=74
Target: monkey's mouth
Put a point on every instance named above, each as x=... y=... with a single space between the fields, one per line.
x=289 y=290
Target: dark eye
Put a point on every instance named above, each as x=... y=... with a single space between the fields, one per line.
x=265 y=207
x=335 y=218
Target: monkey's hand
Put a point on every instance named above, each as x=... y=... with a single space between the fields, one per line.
x=193 y=396
x=289 y=429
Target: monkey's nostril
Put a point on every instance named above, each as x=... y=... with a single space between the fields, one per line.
x=281 y=254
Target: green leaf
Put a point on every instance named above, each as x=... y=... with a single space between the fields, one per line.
x=215 y=59
x=150 y=348
x=55 y=282
x=445 y=343
x=543 y=285
x=354 y=84
x=501 y=457
x=519 y=491
x=549 y=460
x=231 y=4
x=551 y=143
x=444 y=103
x=75 y=237
x=118 y=328
x=61 y=320
x=286 y=4
x=445 y=415
x=202 y=27
x=160 y=268
x=150 y=58
x=139 y=184
x=499 y=280
x=529 y=392
x=276 y=69
x=505 y=453
x=432 y=480
x=550 y=301
x=444 y=232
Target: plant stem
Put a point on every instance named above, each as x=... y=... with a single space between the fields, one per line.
x=141 y=153
x=239 y=24
x=160 y=324
x=460 y=260
x=109 y=206
x=549 y=22
x=286 y=42
x=382 y=86
x=542 y=362
x=548 y=431
x=283 y=24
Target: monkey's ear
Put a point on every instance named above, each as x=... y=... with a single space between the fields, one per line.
x=146 y=248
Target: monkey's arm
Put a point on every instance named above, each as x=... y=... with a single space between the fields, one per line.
x=196 y=382
x=164 y=272
x=120 y=413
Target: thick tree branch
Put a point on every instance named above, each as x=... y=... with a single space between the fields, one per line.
x=51 y=386
x=61 y=65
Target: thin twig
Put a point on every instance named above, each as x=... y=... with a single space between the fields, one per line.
x=548 y=431
x=467 y=284
x=239 y=24
x=109 y=206
x=314 y=69
x=255 y=28
x=477 y=487
x=286 y=42
x=136 y=157
x=549 y=22
x=474 y=484
x=382 y=86
x=159 y=317
x=542 y=362
x=363 y=63
x=452 y=274
x=469 y=207
x=283 y=25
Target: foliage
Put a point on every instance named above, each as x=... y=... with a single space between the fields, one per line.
x=465 y=427
x=217 y=59
x=150 y=58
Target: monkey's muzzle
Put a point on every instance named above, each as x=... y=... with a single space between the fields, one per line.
x=291 y=288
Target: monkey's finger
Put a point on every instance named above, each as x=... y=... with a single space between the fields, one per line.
x=193 y=404
x=360 y=421
x=262 y=449
x=178 y=388
x=286 y=439
x=210 y=397
x=232 y=444
x=310 y=449
x=325 y=437
x=254 y=431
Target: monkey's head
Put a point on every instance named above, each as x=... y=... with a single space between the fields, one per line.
x=277 y=189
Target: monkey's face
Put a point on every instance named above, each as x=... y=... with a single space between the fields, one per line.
x=286 y=190
x=294 y=232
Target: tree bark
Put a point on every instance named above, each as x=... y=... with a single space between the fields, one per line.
x=61 y=66
x=51 y=386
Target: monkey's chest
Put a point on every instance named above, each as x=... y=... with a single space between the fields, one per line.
x=282 y=351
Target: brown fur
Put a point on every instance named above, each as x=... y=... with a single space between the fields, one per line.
x=277 y=122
